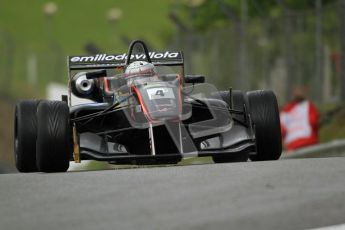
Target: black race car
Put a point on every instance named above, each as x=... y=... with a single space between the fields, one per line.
x=144 y=110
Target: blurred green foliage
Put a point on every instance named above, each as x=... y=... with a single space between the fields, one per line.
x=210 y=14
x=269 y=43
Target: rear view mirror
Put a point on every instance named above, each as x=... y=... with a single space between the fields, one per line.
x=194 y=79
x=96 y=74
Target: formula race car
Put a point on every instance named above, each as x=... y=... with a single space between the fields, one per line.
x=143 y=109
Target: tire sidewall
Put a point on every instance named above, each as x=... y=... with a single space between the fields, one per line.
x=25 y=133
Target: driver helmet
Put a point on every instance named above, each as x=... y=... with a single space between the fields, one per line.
x=140 y=68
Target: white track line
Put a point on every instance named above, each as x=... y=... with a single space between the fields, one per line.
x=333 y=227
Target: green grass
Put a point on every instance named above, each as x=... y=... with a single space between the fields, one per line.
x=76 y=23
x=79 y=21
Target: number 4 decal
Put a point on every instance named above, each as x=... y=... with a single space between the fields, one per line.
x=160 y=92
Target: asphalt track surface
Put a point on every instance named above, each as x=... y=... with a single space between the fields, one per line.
x=286 y=194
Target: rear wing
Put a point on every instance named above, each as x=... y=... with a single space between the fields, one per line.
x=118 y=61
x=108 y=61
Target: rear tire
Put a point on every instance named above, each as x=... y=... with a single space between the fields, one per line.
x=263 y=108
x=53 y=137
x=25 y=133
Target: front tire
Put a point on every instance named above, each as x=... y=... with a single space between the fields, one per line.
x=25 y=132
x=53 y=136
x=263 y=108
